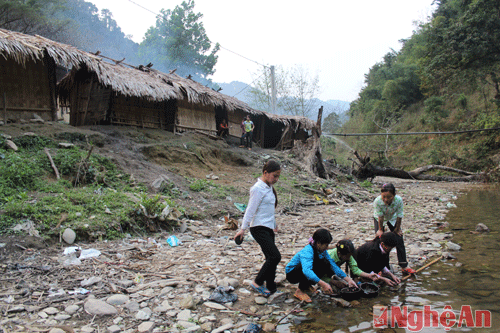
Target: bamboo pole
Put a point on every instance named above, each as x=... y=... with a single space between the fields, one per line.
x=423 y=267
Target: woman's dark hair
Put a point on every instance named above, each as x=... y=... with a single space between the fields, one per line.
x=388 y=187
x=389 y=238
x=345 y=246
x=322 y=236
x=272 y=166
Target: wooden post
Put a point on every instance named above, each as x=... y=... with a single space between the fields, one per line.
x=5 y=107
x=88 y=101
x=51 y=72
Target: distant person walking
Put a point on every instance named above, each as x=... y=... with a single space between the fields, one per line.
x=249 y=126
x=259 y=217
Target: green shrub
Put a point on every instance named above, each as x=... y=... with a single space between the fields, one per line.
x=154 y=205
x=199 y=185
x=33 y=143
x=366 y=184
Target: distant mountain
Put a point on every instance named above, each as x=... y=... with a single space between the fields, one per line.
x=240 y=91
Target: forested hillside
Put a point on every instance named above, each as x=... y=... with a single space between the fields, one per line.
x=445 y=78
x=177 y=40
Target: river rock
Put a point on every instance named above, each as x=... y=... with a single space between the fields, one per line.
x=277 y=297
x=11 y=145
x=62 y=316
x=184 y=315
x=481 y=227
x=132 y=306
x=207 y=326
x=222 y=328
x=90 y=281
x=187 y=302
x=146 y=326
x=114 y=329
x=452 y=246
x=56 y=330
x=143 y=314
x=71 y=309
x=268 y=327
x=99 y=308
x=260 y=300
x=51 y=310
x=69 y=236
x=118 y=299
x=213 y=305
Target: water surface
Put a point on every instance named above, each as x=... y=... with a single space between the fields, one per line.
x=473 y=279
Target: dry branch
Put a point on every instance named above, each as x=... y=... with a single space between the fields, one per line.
x=52 y=163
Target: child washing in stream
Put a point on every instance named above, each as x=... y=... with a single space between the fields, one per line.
x=311 y=263
x=344 y=253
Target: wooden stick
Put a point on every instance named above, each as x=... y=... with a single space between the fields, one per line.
x=52 y=163
x=290 y=311
x=423 y=267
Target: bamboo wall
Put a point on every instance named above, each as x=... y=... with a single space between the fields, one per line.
x=90 y=103
x=234 y=120
x=134 y=111
x=195 y=117
x=26 y=90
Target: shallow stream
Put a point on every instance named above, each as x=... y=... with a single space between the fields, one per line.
x=473 y=279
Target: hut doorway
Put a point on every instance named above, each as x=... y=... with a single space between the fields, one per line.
x=220 y=117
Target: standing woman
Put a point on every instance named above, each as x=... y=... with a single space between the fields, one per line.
x=388 y=207
x=259 y=217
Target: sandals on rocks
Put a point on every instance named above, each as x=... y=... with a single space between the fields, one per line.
x=302 y=296
x=261 y=290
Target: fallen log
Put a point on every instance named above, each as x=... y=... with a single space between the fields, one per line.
x=367 y=170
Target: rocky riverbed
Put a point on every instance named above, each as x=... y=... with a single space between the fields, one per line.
x=146 y=285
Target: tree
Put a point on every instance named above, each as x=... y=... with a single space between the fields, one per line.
x=332 y=123
x=91 y=30
x=179 y=41
x=31 y=17
x=296 y=91
x=301 y=93
x=260 y=92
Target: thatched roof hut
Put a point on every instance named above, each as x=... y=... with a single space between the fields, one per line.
x=117 y=93
x=28 y=76
x=102 y=91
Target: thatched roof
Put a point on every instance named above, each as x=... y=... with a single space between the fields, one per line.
x=22 y=48
x=127 y=80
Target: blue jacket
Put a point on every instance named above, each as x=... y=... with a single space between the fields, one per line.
x=305 y=257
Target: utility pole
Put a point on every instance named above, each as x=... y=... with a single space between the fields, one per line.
x=273 y=91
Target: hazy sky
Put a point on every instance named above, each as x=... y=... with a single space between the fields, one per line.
x=337 y=40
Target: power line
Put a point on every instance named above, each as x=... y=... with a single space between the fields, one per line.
x=156 y=14
x=248 y=85
x=412 y=133
x=222 y=47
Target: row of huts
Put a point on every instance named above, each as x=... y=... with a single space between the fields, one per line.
x=37 y=74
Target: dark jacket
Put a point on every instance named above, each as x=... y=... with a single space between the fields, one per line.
x=370 y=258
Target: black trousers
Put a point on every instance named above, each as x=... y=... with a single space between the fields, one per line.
x=320 y=268
x=265 y=238
x=248 y=139
x=400 y=245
